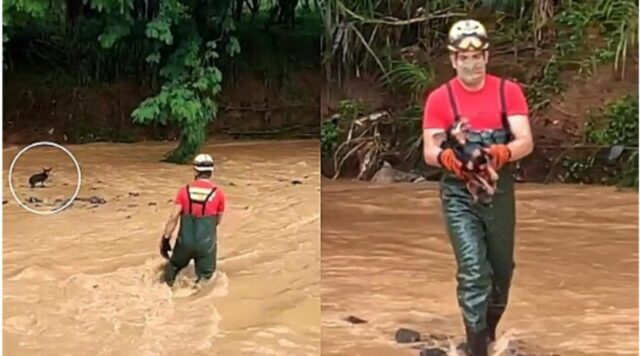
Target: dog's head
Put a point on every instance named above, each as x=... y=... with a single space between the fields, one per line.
x=47 y=170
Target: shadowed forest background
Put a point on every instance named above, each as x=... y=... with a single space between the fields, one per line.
x=576 y=61
x=130 y=70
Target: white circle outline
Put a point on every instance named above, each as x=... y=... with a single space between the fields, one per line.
x=45 y=143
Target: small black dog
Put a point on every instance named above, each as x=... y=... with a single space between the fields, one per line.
x=40 y=177
x=482 y=184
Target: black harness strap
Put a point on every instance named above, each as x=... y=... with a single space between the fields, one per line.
x=452 y=100
x=190 y=201
x=503 y=111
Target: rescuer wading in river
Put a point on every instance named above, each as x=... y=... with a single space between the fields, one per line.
x=481 y=235
x=198 y=207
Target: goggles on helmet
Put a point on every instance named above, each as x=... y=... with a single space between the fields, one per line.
x=473 y=42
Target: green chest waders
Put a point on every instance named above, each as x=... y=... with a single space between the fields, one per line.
x=197 y=239
x=482 y=237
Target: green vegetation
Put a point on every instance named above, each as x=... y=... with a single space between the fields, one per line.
x=403 y=43
x=616 y=130
x=183 y=50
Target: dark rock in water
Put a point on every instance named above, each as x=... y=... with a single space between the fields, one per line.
x=95 y=286
x=66 y=184
x=97 y=200
x=169 y=201
x=407 y=335
x=134 y=194
x=433 y=352
x=132 y=205
x=128 y=217
x=355 y=320
x=4 y=202
x=93 y=200
x=34 y=200
x=153 y=203
x=246 y=208
x=232 y=184
x=99 y=181
x=296 y=181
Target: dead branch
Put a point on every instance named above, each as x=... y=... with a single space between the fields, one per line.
x=391 y=21
x=556 y=108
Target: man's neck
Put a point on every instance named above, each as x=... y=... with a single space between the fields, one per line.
x=472 y=87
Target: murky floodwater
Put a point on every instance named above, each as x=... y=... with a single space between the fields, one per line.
x=85 y=281
x=386 y=259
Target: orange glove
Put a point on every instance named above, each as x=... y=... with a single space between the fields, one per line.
x=448 y=160
x=500 y=155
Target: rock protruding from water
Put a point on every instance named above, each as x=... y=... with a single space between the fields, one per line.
x=355 y=320
x=388 y=174
x=4 y=202
x=404 y=336
x=134 y=194
x=93 y=200
x=296 y=181
x=433 y=352
x=33 y=200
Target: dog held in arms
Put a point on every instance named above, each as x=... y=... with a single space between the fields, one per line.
x=482 y=177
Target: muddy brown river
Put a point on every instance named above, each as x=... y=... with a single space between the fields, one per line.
x=85 y=281
x=386 y=259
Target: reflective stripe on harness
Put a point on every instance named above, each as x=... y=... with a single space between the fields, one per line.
x=201 y=192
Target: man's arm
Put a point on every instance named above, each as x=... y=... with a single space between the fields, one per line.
x=173 y=221
x=433 y=132
x=522 y=145
x=222 y=200
x=431 y=145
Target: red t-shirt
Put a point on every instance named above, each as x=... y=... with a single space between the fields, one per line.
x=201 y=188
x=481 y=108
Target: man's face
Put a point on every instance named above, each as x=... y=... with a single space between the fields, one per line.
x=471 y=66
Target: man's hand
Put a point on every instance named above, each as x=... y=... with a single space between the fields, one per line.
x=500 y=155
x=448 y=160
x=165 y=246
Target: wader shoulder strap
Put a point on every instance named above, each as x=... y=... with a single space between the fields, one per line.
x=503 y=110
x=452 y=100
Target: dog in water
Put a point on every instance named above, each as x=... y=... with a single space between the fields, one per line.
x=483 y=178
x=39 y=177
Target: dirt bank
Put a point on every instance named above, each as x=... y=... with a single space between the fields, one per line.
x=250 y=106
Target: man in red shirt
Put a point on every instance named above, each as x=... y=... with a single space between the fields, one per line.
x=482 y=235
x=199 y=207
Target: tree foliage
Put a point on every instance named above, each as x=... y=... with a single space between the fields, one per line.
x=175 y=45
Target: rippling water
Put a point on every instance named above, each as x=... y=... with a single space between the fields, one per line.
x=386 y=259
x=85 y=281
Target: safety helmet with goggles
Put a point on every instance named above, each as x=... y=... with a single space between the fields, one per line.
x=468 y=35
x=203 y=163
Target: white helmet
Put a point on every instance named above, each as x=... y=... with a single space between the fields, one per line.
x=467 y=35
x=203 y=163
